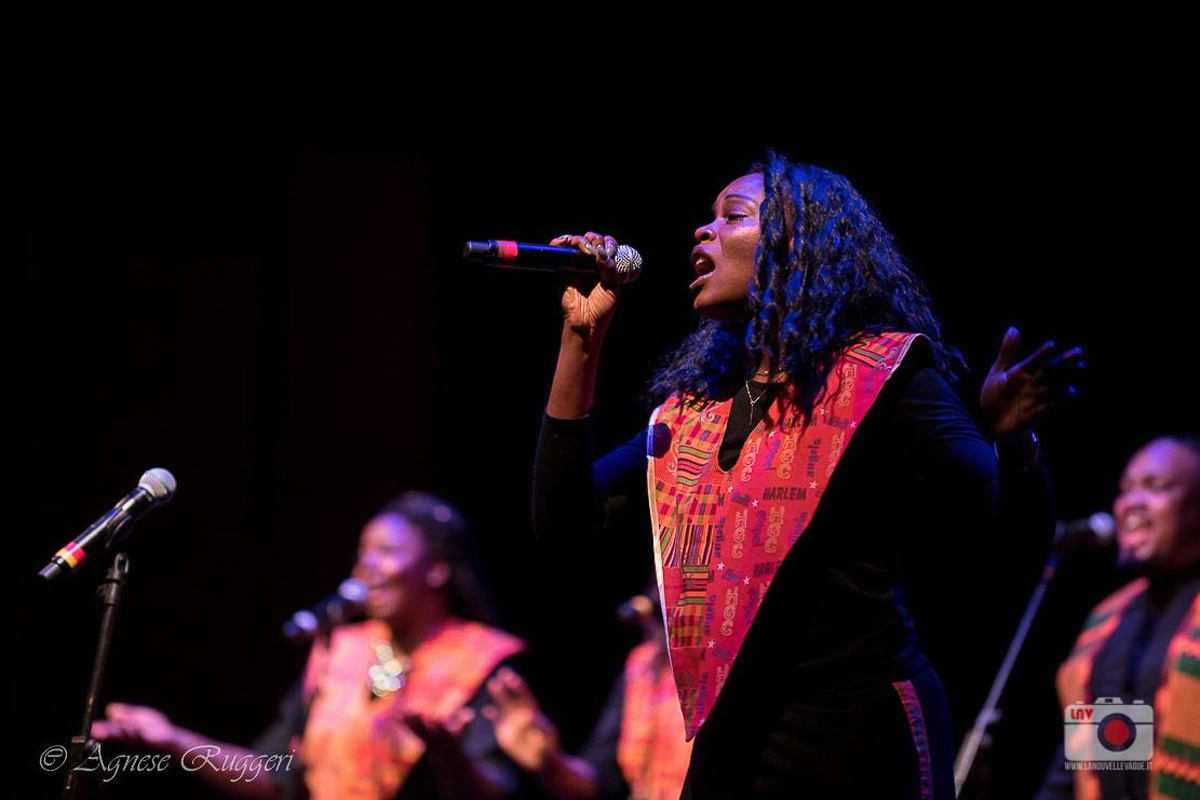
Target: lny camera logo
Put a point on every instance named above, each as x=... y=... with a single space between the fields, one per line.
x=1108 y=730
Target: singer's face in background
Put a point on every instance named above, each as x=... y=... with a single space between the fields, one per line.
x=725 y=250
x=1158 y=508
x=394 y=564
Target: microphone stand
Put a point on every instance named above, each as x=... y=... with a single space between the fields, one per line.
x=990 y=714
x=109 y=592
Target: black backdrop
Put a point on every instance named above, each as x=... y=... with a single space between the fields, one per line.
x=275 y=310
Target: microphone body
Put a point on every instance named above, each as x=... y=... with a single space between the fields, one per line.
x=1097 y=530
x=549 y=258
x=156 y=486
x=346 y=604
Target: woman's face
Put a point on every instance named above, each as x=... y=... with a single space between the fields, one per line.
x=395 y=566
x=723 y=258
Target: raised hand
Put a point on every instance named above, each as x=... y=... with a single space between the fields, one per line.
x=523 y=732
x=587 y=307
x=1016 y=395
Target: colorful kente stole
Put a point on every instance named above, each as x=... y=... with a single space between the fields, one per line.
x=1175 y=770
x=652 y=751
x=1175 y=766
x=355 y=747
x=720 y=536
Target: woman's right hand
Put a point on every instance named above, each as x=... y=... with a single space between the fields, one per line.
x=586 y=312
x=140 y=726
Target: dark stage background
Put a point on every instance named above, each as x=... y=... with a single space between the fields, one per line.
x=277 y=313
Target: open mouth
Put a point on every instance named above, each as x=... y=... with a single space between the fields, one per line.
x=375 y=591
x=1132 y=524
x=703 y=266
x=1136 y=534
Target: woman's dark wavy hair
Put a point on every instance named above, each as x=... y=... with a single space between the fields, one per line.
x=839 y=277
x=447 y=537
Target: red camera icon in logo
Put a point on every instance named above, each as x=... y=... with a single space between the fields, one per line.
x=1108 y=730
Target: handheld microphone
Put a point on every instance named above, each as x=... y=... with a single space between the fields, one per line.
x=155 y=487
x=1096 y=530
x=342 y=606
x=549 y=258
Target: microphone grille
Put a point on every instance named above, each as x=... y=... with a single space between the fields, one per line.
x=353 y=589
x=159 y=482
x=1103 y=525
x=302 y=626
x=628 y=263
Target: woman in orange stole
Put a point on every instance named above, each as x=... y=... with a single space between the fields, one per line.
x=388 y=706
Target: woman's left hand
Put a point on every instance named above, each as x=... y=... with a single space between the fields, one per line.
x=1017 y=395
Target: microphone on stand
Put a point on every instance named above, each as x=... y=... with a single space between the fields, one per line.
x=1096 y=530
x=156 y=486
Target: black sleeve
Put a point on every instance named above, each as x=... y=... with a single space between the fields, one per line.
x=572 y=497
x=1012 y=499
x=978 y=536
x=942 y=438
x=601 y=749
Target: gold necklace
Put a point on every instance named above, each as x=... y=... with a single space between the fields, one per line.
x=755 y=400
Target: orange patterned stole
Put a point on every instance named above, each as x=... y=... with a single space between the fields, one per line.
x=1175 y=770
x=720 y=536
x=652 y=751
x=355 y=747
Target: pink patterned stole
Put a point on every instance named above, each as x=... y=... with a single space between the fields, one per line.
x=720 y=536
